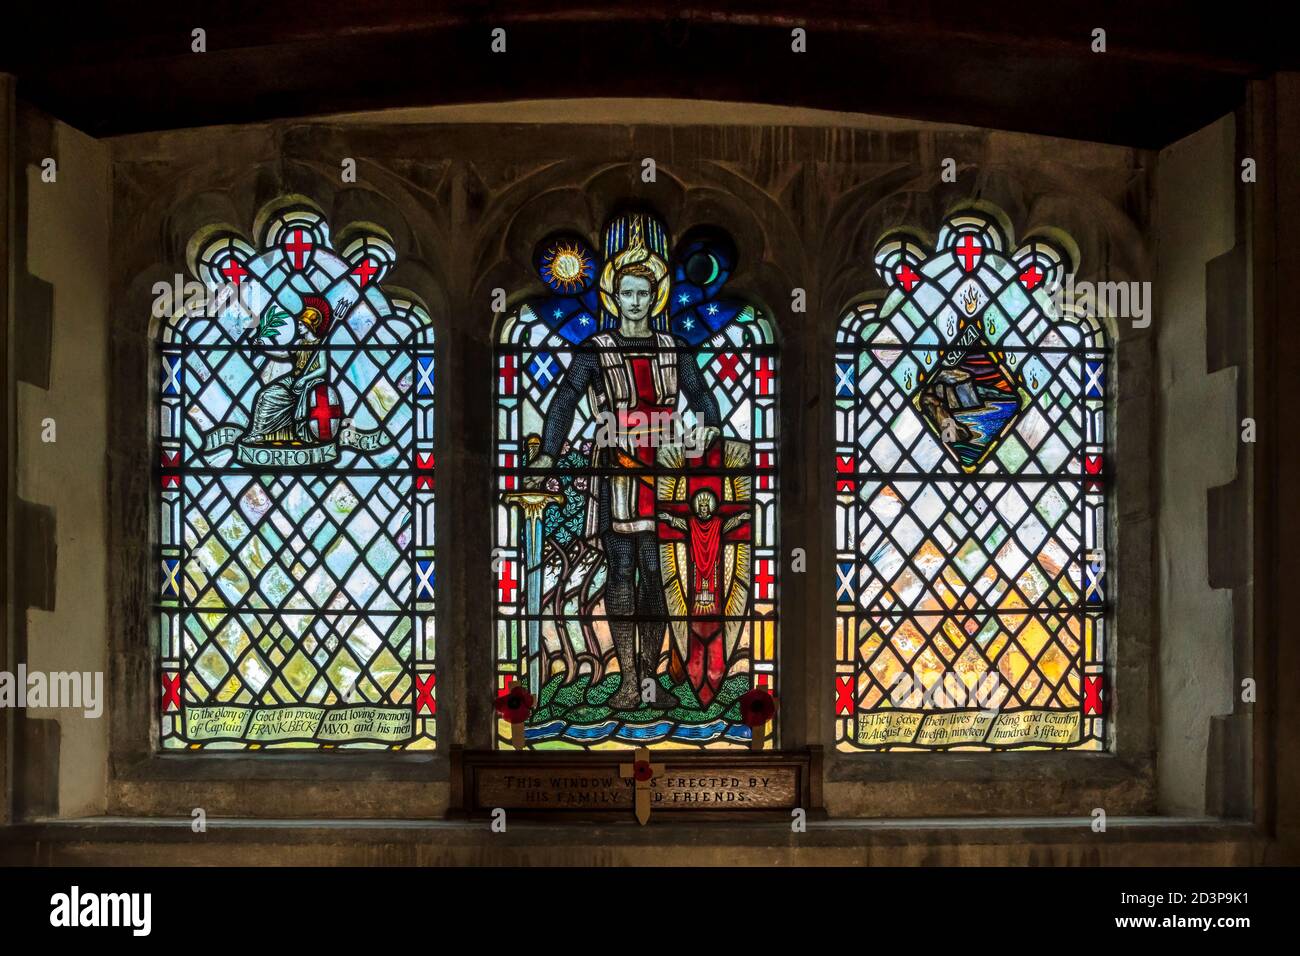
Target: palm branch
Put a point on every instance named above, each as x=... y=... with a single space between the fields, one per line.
x=273 y=320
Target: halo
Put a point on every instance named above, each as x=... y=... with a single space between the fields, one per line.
x=639 y=238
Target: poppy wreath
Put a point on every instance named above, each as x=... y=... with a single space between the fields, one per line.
x=515 y=705
x=757 y=707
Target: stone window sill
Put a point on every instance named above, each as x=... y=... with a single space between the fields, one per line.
x=1005 y=840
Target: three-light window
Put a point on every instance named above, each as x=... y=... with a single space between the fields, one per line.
x=635 y=553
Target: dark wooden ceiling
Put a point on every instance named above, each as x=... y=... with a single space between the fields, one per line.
x=1168 y=69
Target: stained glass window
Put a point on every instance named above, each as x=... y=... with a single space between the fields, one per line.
x=635 y=557
x=295 y=553
x=970 y=479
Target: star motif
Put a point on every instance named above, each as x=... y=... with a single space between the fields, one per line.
x=683 y=298
x=557 y=313
x=688 y=324
x=713 y=309
x=584 y=321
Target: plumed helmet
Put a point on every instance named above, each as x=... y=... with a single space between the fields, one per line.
x=316 y=315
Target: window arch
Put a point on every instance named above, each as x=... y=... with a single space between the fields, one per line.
x=295 y=534
x=636 y=478
x=970 y=487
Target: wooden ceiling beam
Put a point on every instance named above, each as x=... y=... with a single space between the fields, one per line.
x=1018 y=66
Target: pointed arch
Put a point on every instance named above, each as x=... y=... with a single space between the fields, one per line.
x=295 y=598
x=604 y=592
x=970 y=479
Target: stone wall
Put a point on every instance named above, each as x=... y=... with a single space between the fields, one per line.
x=466 y=197
x=1204 y=331
x=61 y=328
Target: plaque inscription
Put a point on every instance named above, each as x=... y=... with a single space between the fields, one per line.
x=593 y=784
x=575 y=789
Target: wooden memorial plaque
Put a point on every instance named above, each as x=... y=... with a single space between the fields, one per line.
x=698 y=785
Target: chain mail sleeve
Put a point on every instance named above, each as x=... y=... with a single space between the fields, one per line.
x=691 y=381
x=559 y=416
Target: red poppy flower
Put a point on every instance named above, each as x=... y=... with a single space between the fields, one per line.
x=641 y=770
x=757 y=707
x=515 y=705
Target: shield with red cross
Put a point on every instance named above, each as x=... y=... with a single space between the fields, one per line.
x=324 y=413
x=298 y=245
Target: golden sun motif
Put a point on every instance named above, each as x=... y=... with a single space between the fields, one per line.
x=567 y=266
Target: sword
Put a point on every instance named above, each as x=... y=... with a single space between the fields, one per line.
x=532 y=502
x=627 y=461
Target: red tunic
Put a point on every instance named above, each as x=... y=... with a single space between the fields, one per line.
x=638 y=428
